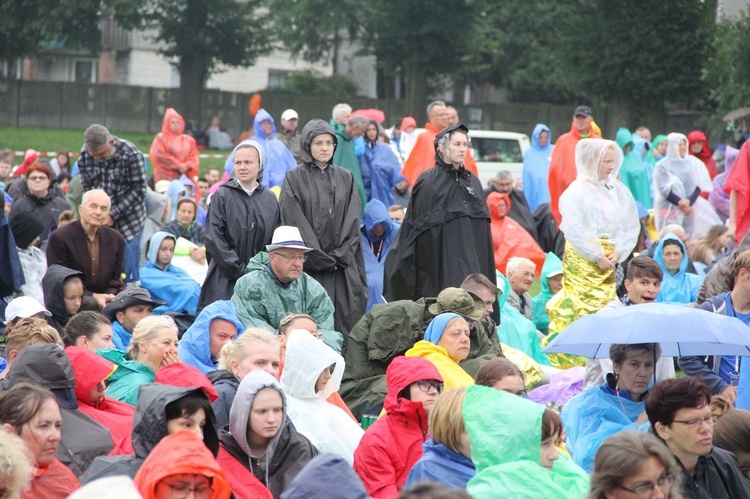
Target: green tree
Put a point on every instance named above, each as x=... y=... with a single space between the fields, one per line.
x=727 y=72
x=201 y=35
x=28 y=26
x=310 y=83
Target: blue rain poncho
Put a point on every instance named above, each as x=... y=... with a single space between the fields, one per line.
x=552 y=265
x=536 y=169
x=681 y=287
x=595 y=414
x=381 y=172
x=375 y=214
x=278 y=159
x=173 y=285
x=194 y=346
x=515 y=330
x=440 y=464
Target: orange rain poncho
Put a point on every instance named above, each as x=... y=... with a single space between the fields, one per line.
x=509 y=239
x=170 y=150
x=422 y=156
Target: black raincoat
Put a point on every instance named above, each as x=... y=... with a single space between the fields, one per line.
x=52 y=285
x=238 y=226
x=445 y=235
x=83 y=439
x=149 y=428
x=46 y=209
x=324 y=205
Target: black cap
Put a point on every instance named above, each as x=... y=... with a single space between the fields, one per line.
x=128 y=298
x=582 y=111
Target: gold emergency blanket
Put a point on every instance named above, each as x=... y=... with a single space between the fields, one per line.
x=586 y=289
x=531 y=369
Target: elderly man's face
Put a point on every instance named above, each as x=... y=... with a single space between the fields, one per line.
x=287 y=263
x=95 y=210
x=504 y=185
x=522 y=279
x=104 y=152
x=439 y=117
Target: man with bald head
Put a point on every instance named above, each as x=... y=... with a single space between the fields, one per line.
x=90 y=246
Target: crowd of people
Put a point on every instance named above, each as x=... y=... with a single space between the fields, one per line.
x=346 y=311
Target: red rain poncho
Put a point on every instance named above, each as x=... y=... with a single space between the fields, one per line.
x=171 y=149
x=705 y=155
x=509 y=239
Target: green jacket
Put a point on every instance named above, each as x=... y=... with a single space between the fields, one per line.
x=385 y=332
x=505 y=434
x=127 y=379
x=347 y=159
x=262 y=301
x=515 y=330
x=539 y=303
x=633 y=171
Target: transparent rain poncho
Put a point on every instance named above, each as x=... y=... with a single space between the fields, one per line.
x=681 y=175
x=593 y=209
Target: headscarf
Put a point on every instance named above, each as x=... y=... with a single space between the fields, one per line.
x=437 y=326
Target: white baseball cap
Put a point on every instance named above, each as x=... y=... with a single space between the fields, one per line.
x=289 y=114
x=24 y=307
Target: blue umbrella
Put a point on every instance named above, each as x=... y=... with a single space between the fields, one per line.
x=680 y=331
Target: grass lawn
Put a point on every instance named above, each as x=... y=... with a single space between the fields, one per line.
x=57 y=139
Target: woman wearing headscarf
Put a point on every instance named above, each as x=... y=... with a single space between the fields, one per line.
x=536 y=167
x=91 y=371
x=601 y=227
x=677 y=286
x=165 y=281
x=261 y=447
x=509 y=239
x=381 y=171
x=445 y=344
x=172 y=152
x=679 y=179
x=699 y=149
x=240 y=223
x=313 y=372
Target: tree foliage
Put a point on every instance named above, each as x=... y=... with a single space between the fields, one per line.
x=309 y=83
x=727 y=72
x=28 y=26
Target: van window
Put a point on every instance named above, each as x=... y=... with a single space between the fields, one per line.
x=497 y=150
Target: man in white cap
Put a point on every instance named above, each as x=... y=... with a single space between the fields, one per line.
x=19 y=308
x=288 y=133
x=276 y=285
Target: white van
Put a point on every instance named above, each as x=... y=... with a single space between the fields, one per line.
x=495 y=151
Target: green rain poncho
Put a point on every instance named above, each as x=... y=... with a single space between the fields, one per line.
x=552 y=264
x=633 y=171
x=515 y=330
x=505 y=433
x=347 y=159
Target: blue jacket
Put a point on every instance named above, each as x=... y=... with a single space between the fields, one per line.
x=681 y=287
x=172 y=285
x=120 y=337
x=440 y=464
x=381 y=171
x=194 y=348
x=327 y=476
x=536 y=169
x=375 y=214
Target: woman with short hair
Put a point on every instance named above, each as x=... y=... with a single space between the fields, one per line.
x=501 y=374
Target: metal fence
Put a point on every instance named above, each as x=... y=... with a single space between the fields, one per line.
x=140 y=109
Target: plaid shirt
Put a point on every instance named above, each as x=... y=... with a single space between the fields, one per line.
x=123 y=177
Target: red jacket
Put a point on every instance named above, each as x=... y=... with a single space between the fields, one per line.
x=186 y=376
x=562 y=166
x=509 y=239
x=391 y=446
x=422 y=156
x=89 y=369
x=243 y=482
x=52 y=482
x=171 y=150
x=739 y=180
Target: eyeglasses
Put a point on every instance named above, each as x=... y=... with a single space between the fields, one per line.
x=663 y=483
x=329 y=143
x=181 y=490
x=694 y=424
x=425 y=385
x=40 y=178
x=292 y=258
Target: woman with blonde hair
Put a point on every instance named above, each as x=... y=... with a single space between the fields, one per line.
x=447 y=454
x=732 y=433
x=254 y=349
x=27 y=332
x=153 y=346
x=15 y=466
x=633 y=464
x=712 y=247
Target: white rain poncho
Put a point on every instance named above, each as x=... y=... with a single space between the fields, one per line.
x=593 y=209
x=681 y=175
x=328 y=427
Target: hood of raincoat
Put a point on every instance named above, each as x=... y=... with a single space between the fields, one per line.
x=681 y=287
x=306 y=358
x=47 y=365
x=659 y=257
x=168 y=115
x=589 y=156
x=175 y=192
x=507 y=455
x=184 y=375
x=375 y=214
x=52 y=285
x=323 y=475
x=150 y=423
x=623 y=138
x=695 y=136
x=260 y=116
x=447 y=131
x=493 y=202
x=314 y=128
x=552 y=264
x=638 y=144
x=538 y=129
x=402 y=372
x=181 y=452
x=155 y=243
x=155 y=204
x=673 y=143
x=194 y=346
x=89 y=369
x=239 y=414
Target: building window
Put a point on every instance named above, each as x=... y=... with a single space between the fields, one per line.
x=276 y=78
x=84 y=70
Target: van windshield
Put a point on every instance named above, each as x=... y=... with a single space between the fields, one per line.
x=496 y=150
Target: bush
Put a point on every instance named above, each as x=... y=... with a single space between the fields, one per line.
x=310 y=83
